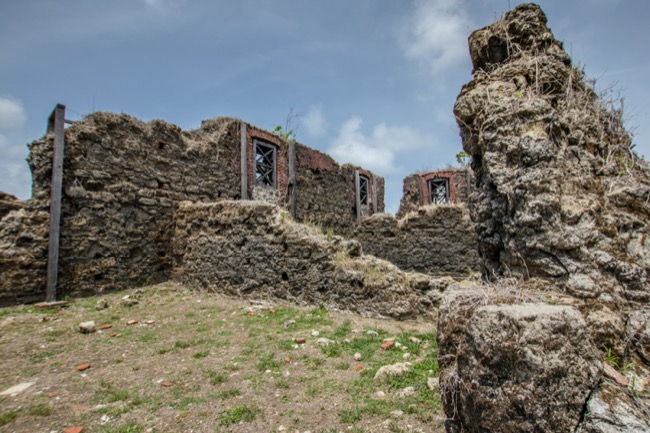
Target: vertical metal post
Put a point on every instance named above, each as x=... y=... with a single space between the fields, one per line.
x=292 y=177
x=357 y=189
x=56 y=123
x=244 y=162
x=374 y=194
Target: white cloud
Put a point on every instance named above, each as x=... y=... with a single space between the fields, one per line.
x=376 y=151
x=314 y=121
x=436 y=34
x=12 y=115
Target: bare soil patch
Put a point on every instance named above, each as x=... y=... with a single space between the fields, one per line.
x=198 y=362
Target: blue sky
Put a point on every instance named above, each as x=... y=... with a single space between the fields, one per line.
x=373 y=82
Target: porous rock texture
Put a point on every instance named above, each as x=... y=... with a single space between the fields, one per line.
x=254 y=250
x=517 y=367
x=438 y=240
x=561 y=212
x=23 y=253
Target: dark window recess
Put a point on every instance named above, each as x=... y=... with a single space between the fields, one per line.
x=363 y=189
x=264 y=164
x=439 y=190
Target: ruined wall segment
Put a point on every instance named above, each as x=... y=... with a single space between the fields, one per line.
x=255 y=250
x=122 y=179
x=23 y=253
x=325 y=191
x=561 y=205
x=417 y=188
x=435 y=240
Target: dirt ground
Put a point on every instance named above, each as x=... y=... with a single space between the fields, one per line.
x=199 y=362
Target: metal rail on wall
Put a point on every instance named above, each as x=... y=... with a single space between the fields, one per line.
x=55 y=123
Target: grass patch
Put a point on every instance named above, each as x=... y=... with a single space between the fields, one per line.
x=229 y=393
x=199 y=355
x=7 y=417
x=127 y=428
x=216 y=378
x=40 y=409
x=237 y=414
x=182 y=345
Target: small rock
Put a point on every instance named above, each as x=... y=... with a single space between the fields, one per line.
x=406 y=356
x=409 y=391
x=83 y=367
x=415 y=340
x=357 y=331
x=388 y=344
x=16 y=389
x=149 y=322
x=106 y=326
x=432 y=383
x=300 y=340
x=113 y=334
x=396 y=414
x=287 y=360
x=87 y=327
x=282 y=428
x=104 y=419
x=358 y=367
x=250 y=314
x=379 y=395
x=613 y=374
x=128 y=301
x=372 y=333
x=131 y=322
x=397 y=369
x=398 y=345
x=289 y=323
x=315 y=333
x=324 y=342
x=166 y=383
x=357 y=356
x=102 y=304
x=77 y=429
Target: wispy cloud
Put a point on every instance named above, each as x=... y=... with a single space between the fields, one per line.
x=314 y=121
x=377 y=150
x=12 y=114
x=436 y=34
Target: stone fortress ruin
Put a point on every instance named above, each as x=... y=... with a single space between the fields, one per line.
x=559 y=217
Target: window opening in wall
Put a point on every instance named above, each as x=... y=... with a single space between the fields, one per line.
x=439 y=190
x=363 y=189
x=265 y=164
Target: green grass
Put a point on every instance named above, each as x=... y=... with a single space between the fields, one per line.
x=182 y=345
x=7 y=417
x=127 y=428
x=229 y=393
x=40 y=409
x=216 y=378
x=237 y=414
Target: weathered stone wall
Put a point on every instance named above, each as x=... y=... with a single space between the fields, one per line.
x=560 y=205
x=123 y=177
x=254 y=249
x=416 y=188
x=23 y=253
x=120 y=182
x=436 y=240
x=323 y=193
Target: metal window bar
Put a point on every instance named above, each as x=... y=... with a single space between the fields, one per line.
x=439 y=191
x=265 y=173
x=363 y=189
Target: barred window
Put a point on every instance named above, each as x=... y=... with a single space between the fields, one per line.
x=438 y=190
x=363 y=189
x=265 y=164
